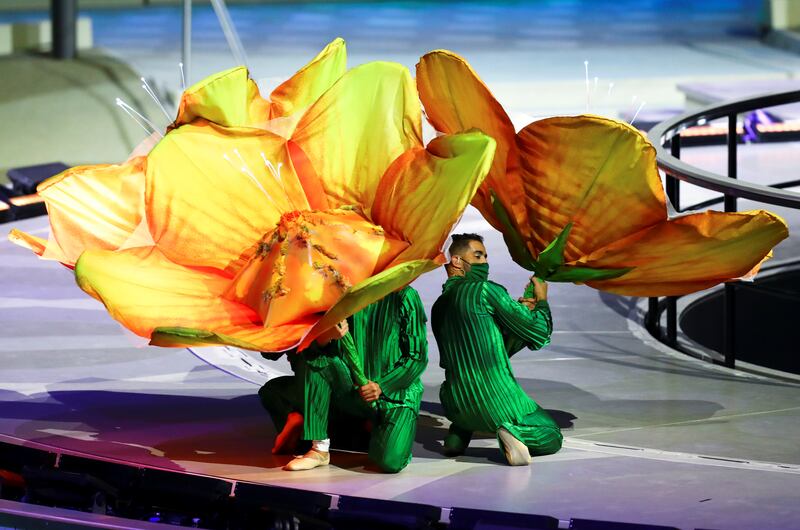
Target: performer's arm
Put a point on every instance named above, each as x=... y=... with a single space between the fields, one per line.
x=512 y=342
x=521 y=326
x=413 y=345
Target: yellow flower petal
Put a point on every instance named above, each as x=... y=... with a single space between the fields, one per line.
x=211 y=196
x=311 y=81
x=424 y=192
x=229 y=98
x=597 y=173
x=357 y=128
x=456 y=100
x=689 y=253
x=145 y=291
x=91 y=207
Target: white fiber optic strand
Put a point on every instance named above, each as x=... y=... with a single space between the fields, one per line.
x=586 y=75
x=136 y=117
x=636 y=114
x=153 y=95
x=276 y=173
x=183 y=77
x=244 y=169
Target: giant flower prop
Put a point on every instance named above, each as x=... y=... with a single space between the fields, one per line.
x=261 y=223
x=580 y=199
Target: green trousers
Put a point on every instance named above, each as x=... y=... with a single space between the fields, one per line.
x=321 y=389
x=537 y=430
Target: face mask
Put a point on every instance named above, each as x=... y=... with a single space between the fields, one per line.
x=478 y=271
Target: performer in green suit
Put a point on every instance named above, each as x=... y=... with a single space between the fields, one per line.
x=390 y=337
x=478 y=326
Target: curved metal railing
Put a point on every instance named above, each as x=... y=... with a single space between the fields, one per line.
x=666 y=137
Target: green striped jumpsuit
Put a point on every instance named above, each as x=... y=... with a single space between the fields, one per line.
x=390 y=335
x=478 y=326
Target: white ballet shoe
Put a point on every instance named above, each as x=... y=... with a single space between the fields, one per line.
x=515 y=451
x=310 y=460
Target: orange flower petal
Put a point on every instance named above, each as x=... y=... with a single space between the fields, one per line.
x=689 y=253
x=424 y=192
x=158 y=299
x=456 y=100
x=37 y=245
x=305 y=265
x=597 y=173
x=371 y=290
x=357 y=128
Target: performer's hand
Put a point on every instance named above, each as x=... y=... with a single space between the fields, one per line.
x=335 y=333
x=341 y=329
x=530 y=303
x=370 y=392
x=539 y=289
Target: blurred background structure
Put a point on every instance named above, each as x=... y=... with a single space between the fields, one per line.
x=530 y=53
x=677 y=412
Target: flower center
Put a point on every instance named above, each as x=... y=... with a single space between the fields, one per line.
x=309 y=260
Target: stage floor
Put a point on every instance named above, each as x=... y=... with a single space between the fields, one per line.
x=651 y=436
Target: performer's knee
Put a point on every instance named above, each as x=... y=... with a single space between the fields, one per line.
x=264 y=393
x=549 y=446
x=391 y=464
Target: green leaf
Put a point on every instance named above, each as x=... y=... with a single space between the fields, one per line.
x=174 y=336
x=516 y=246
x=192 y=333
x=567 y=273
x=552 y=257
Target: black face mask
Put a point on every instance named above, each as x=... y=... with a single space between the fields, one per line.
x=478 y=271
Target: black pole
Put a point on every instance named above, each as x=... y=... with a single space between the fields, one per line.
x=673 y=184
x=63 y=17
x=674 y=196
x=729 y=304
x=651 y=320
x=730 y=200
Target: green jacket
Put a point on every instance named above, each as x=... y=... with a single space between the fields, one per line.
x=478 y=326
x=391 y=336
x=391 y=339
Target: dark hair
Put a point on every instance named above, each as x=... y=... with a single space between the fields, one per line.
x=460 y=243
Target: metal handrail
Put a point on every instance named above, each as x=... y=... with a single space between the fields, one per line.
x=712 y=202
x=664 y=132
x=666 y=138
